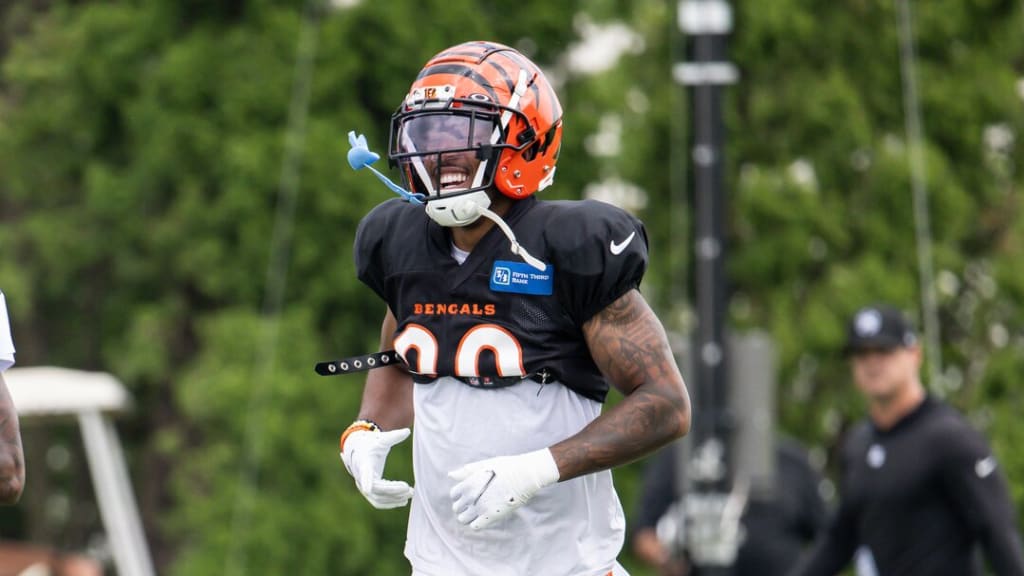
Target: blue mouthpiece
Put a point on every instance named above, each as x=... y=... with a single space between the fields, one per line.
x=360 y=156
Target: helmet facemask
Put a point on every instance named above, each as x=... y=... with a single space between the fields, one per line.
x=479 y=119
x=448 y=149
x=447 y=156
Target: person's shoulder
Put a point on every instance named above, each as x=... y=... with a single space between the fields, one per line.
x=943 y=421
x=858 y=436
x=381 y=234
x=584 y=217
x=790 y=449
x=578 y=207
x=393 y=216
x=572 y=226
x=599 y=252
x=393 y=210
x=951 y=437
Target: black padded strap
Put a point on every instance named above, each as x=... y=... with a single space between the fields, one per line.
x=358 y=363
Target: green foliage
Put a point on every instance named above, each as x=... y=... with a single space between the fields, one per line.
x=264 y=476
x=144 y=150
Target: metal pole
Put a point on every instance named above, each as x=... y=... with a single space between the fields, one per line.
x=710 y=249
x=116 y=499
x=919 y=187
x=711 y=510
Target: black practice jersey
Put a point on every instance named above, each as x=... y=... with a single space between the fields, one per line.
x=495 y=320
x=920 y=497
x=776 y=529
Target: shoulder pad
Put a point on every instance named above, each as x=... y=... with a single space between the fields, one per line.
x=375 y=229
x=599 y=252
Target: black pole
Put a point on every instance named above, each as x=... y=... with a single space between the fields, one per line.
x=709 y=476
x=709 y=247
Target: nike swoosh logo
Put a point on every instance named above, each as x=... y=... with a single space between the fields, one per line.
x=618 y=248
x=985 y=466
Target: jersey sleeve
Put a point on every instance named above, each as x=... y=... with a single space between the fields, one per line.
x=599 y=252
x=978 y=489
x=6 y=342
x=369 y=247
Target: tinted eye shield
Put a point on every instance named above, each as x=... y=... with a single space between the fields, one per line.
x=456 y=125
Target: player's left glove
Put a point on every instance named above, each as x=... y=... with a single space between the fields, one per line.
x=491 y=489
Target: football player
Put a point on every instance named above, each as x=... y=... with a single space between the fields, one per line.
x=513 y=316
x=12 y=456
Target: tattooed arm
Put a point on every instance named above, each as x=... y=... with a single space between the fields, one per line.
x=387 y=396
x=630 y=347
x=12 y=458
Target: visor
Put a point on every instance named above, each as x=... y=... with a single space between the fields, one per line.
x=443 y=132
x=445 y=153
x=879 y=327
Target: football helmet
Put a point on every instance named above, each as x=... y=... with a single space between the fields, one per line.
x=479 y=115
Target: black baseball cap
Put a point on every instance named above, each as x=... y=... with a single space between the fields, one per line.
x=878 y=327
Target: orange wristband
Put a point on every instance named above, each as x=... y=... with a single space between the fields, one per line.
x=367 y=425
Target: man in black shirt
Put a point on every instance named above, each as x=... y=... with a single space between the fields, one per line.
x=776 y=528
x=920 y=488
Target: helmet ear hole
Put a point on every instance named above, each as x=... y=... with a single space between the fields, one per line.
x=526 y=135
x=530 y=153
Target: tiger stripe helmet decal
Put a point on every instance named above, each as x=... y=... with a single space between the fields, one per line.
x=510 y=111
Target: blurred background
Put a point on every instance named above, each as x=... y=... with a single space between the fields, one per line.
x=176 y=210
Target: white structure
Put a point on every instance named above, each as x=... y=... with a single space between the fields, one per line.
x=91 y=397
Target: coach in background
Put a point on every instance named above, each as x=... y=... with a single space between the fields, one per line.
x=777 y=528
x=920 y=488
x=12 y=457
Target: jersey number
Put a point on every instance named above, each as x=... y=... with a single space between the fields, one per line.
x=508 y=354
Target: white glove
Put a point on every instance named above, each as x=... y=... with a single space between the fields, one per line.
x=488 y=490
x=364 y=454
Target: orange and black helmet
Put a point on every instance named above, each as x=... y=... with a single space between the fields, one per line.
x=486 y=102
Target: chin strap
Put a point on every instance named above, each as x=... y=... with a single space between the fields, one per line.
x=516 y=248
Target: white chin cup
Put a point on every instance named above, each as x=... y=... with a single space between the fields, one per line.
x=459 y=210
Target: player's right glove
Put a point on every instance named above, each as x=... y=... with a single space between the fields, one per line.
x=364 y=449
x=488 y=490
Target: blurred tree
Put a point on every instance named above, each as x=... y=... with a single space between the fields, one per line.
x=142 y=162
x=821 y=195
